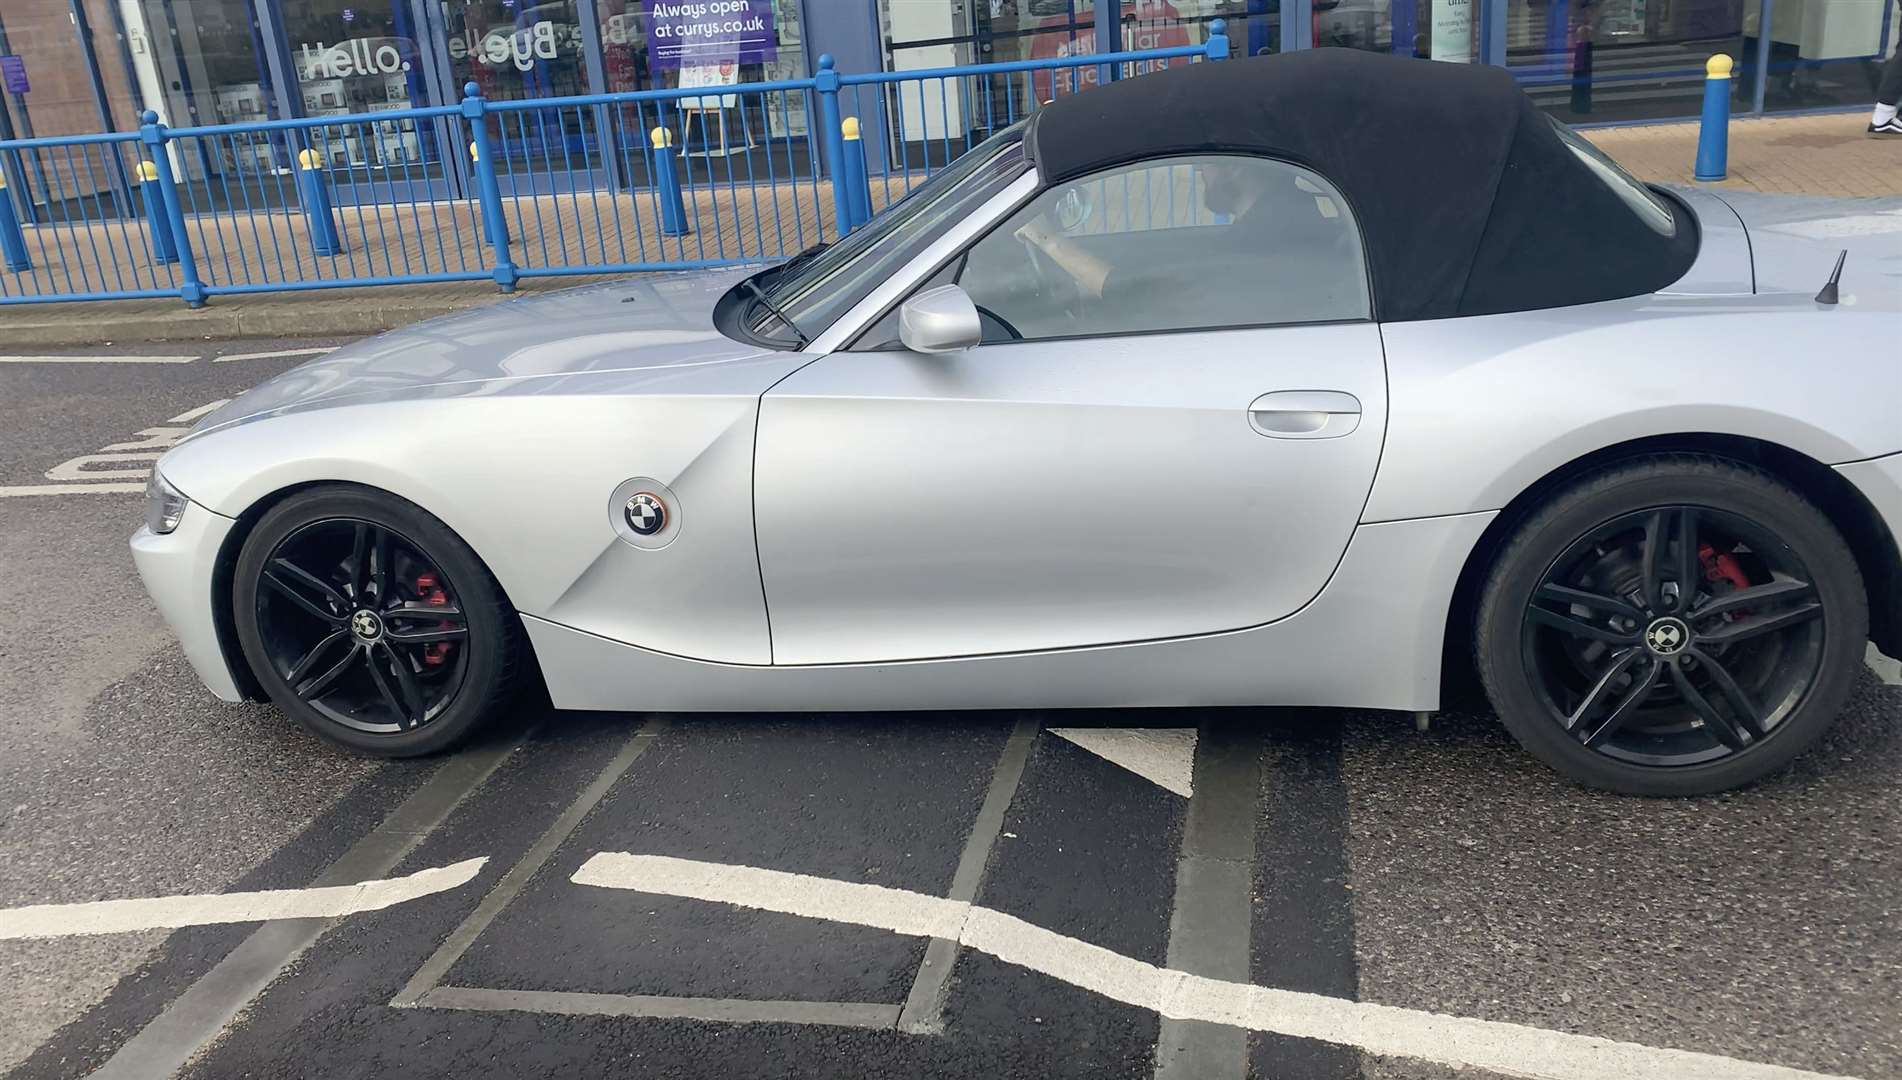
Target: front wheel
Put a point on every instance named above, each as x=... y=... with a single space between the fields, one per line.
x=1675 y=625
x=372 y=624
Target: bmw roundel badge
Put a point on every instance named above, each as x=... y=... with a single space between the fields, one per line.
x=645 y=513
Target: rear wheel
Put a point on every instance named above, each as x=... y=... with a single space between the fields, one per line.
x=1675 y=625
x=372 y=624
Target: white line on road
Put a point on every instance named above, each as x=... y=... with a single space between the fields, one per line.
x=329 y=902
x=22 y=490
x=103 y=359
x=1460 y=1042
x=203 y=410
x=1887 y=669
x=1163 y=756
x=274 y=354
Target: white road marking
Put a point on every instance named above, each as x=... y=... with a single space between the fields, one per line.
x=23 y=490
x=1459 y=1042
x=122 y=462
x=152 y=438
x=1163 y=756
x=104 y=359
x=202 y=410
x=82 y=468
x=274 y=354
x=164 y=912
x=1887 y=669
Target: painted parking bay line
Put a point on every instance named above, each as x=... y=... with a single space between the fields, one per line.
x=103 y=358
x=171 y=912
x=1459 y=1042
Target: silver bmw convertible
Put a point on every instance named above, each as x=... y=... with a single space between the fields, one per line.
x=1328 y=379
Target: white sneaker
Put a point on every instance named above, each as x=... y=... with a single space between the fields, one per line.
x=1889 y=130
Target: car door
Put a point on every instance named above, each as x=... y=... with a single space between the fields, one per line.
x=1170 y=429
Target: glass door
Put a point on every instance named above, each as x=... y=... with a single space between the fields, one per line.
x=520 y=50
x=355 y=57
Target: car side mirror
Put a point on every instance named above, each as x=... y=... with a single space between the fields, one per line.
x=939 y=320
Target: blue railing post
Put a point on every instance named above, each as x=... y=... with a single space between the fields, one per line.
x=1216 y=47
x=325 y=237
x=673 y=205
x=488 y=192
x=1713 y=133
x=827 y=83
x=170 y=221
x=164 y=250
x=474 y=159
x=12 y=240
x=858 y=186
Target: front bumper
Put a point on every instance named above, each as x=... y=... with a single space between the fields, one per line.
x=178 y=571
x=1880 y=481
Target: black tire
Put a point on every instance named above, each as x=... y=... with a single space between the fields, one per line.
x=412 y=679
x=1608 y=686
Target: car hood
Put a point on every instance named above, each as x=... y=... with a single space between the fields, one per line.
x=1795 y=239
x=656 y=323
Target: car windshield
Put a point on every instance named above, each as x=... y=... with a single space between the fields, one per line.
x=814 y=290
x=1653 y=211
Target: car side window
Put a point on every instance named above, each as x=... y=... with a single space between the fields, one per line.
x=1183 y=243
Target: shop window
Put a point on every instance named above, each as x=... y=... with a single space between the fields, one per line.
x=646 y=45
x=1822 y=52
x=1592 y=61
x=1446 y=30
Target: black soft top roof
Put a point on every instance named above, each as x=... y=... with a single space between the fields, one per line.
x=1469 y=202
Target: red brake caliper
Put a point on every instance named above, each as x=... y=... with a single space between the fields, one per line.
x=1724 y=568
x=431 y=592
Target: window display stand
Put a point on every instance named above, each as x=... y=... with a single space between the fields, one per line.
x=726 y=149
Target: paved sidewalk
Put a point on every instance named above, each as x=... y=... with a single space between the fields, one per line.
x=1827 y=154
x=1816 y=155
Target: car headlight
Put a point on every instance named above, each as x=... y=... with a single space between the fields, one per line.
x=164 y=505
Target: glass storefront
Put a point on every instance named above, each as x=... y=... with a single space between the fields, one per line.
x=86 y=65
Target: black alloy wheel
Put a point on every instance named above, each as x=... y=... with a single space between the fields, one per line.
x=371 y=623
x=1674 y=635
x=362 y=626
x=1676 y=625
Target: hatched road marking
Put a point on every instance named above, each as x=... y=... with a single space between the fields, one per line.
x=122 y=466
x=1459 y=1042
x=166 y=912
x=1163 y=756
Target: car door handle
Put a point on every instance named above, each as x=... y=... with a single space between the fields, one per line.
x=1305 y=414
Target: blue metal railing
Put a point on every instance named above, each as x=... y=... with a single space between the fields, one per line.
x=504 y=190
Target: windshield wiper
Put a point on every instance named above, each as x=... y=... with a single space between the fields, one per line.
x=760 y=295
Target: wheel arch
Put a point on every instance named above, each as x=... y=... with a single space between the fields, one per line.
x=1875 y=548
x=224 y=567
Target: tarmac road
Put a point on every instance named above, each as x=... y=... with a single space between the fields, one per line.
x=1335 y=854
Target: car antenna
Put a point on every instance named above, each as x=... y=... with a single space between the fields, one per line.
x=1828 y=295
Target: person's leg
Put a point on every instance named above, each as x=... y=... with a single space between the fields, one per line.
x=1888 y=96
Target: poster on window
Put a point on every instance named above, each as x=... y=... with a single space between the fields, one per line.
x=688 y=33
x=1452 y=33
x=696 y=76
